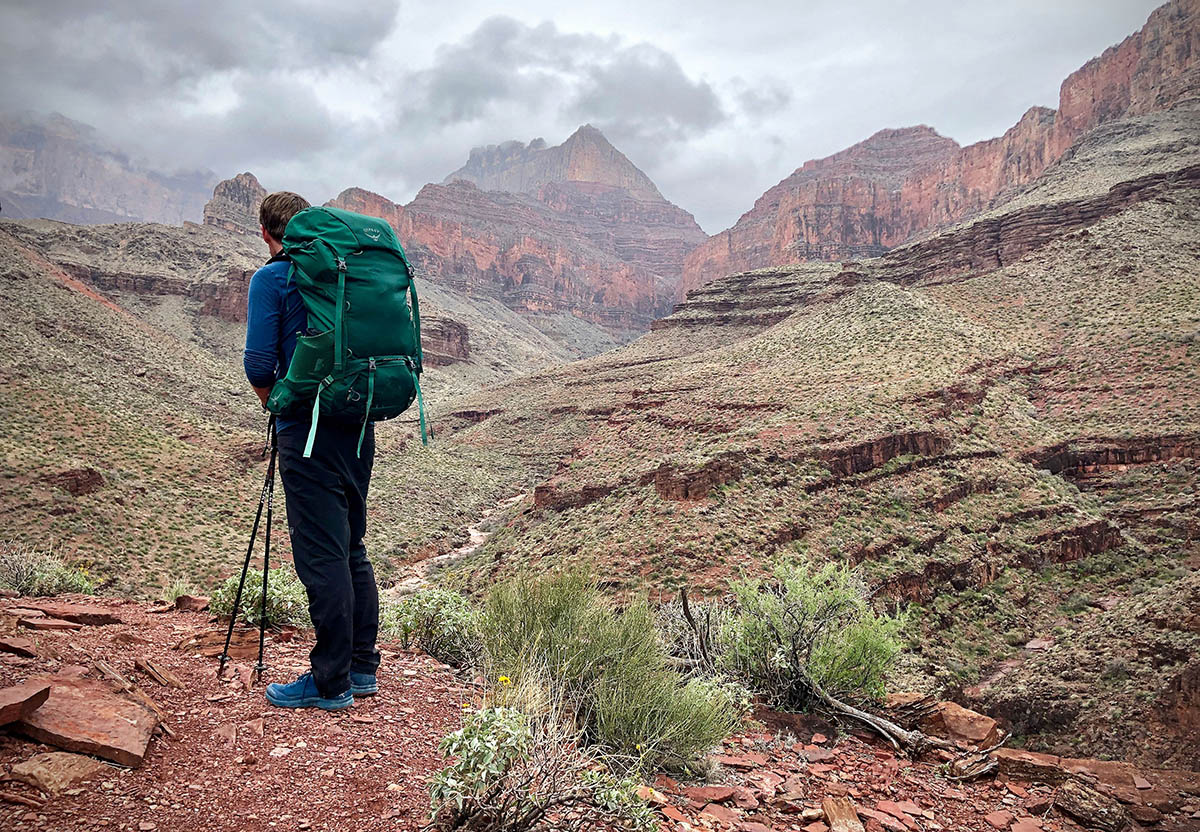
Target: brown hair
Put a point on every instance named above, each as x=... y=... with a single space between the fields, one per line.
x=277 y=209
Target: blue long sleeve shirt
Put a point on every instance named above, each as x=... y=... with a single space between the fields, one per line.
x=275 y=315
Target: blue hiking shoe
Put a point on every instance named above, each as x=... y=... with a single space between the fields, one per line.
x=363 y=684
x=303 y=693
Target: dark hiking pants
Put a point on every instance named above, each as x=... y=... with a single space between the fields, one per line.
x=327 y=517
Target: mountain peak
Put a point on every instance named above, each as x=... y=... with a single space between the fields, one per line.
x=585 y=156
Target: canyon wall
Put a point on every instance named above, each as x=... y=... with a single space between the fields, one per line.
x=899 y=183
x=60 y=169
x=575 y=228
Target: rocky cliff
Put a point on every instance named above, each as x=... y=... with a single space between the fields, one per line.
x=517 y=249
x=234 y=204
x=584 y=157
x=900 y=183
x=60 y=169
x=574 y=228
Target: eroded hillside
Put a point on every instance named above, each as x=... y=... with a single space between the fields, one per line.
x=999 y=424
x=129 y=439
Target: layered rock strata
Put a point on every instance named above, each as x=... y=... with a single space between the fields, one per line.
x=234 y=204
x=899 y=183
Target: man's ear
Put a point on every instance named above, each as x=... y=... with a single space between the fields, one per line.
x=266 y=237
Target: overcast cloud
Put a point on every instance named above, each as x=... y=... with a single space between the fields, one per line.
x=715 y=101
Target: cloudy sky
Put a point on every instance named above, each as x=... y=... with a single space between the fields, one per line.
x=716 y=101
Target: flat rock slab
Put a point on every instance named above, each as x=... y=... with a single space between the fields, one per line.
x=18 y=646
x=55 y=771
x=210 y=643
x=89 y=614
x=20 y=701
x=49 y=624
x=85 y=715
x=191 y=603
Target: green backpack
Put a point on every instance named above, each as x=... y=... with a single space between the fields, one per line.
x=364 y=363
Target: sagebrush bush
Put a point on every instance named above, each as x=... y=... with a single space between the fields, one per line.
x=612 y=667
x=439 y=621
x=515 y=771
x=809 y=626
x=28 y=570
x=287 y=602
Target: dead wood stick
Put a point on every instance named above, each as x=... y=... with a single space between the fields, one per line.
x=129 y=687
x=158 y=673
x=21 y=800
x=914 y=741
x=701 y=638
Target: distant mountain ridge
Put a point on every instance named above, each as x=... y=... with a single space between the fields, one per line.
x=887 y=189
x=61 y=169
x=586 y=156
x=573 y=228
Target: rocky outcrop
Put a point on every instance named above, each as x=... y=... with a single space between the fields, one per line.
x=586 y=156
x=1083 y=457
x=76 y=481
x=671 y=483
x=234 y=204
x=898 y=183
x=196 y=262
x=60 y=169
x=844 y=206
x=994 y=242
x=444 y=341
x=518 y=249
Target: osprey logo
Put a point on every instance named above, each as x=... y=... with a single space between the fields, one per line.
x=373 y=231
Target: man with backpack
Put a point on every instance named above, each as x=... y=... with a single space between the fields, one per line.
x=325 y=476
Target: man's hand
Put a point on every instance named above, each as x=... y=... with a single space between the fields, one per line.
x=263 y=394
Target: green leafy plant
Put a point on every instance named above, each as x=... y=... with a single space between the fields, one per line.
x=615 y=673
x=439 y=621
x=27 y=570
x=515 y=771
x=287 y=601
x=810 y=628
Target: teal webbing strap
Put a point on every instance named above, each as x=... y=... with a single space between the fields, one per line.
x=416 y=319
x=316 y=414
x=339 y=345
x=367 y=414
x=420 y=405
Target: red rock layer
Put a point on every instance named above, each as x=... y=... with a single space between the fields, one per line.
x=515 y=248
x=588 y=248
x=897 y=183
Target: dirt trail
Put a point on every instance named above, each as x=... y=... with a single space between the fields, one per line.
x=423 y=571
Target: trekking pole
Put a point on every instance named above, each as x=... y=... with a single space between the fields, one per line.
x=262 y=612
x=262 y=500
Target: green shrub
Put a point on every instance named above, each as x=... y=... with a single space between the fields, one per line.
x=439 y=621
x=27 y=570
x=287 y=602
x=515 y=771
x=808 y=626
x=613 y=669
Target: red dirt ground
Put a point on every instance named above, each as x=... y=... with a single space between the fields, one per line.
x=366 y=768
x=361 y=769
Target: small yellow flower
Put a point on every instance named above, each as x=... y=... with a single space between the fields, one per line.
x=504 y=680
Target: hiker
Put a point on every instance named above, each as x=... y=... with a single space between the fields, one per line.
x=325 y=476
